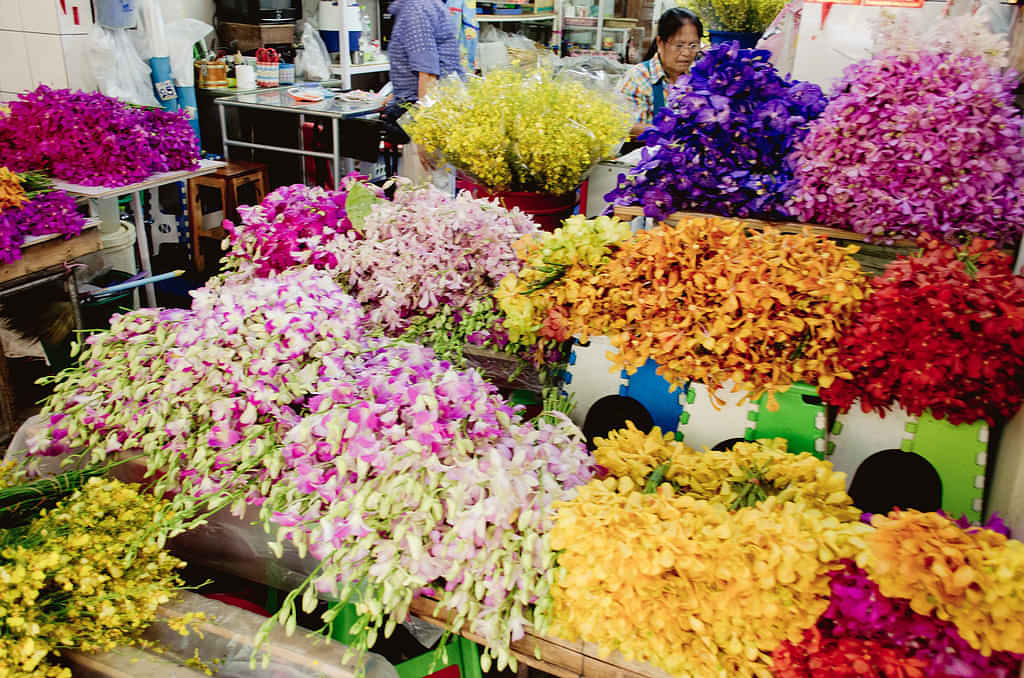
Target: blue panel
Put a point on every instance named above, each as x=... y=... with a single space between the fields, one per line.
x=652 y=391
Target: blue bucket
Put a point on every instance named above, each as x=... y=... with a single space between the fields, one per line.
x=746 y=40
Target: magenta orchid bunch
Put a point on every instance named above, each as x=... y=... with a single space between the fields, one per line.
x=92 y=139
x=296 y=225
x=916 y=143
x=46 y=213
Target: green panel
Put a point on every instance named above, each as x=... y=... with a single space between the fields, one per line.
x=795 y=420
x=431 y=662
x=954 y=451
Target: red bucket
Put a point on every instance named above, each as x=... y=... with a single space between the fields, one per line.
x=547 y=210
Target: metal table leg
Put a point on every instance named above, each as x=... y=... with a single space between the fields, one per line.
x=336 y=145
x=223 y=131
x=143 y=244
x=76 y=310
x=302 y=143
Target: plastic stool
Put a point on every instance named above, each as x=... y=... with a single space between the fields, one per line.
x=227 y=180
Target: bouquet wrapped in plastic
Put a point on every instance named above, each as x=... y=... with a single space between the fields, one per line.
x=522 y=130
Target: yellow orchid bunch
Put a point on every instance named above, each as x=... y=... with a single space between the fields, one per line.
x=536 y=299
x=727 y=477
x=745 y=16
x=520 y=130
x=655 y=564
x=87 y=574
x=711 y=301
x=973 y=578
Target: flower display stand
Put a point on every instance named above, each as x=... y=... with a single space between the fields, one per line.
x=959 y=454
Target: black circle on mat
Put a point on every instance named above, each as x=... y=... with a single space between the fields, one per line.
x=611 y=413
x=892 y=478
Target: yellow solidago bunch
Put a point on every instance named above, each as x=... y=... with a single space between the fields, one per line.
x=752 y=16
x=688 y=585
x=555 y=267
x=973 y=578
x=88 y=575
x=520 y=130
x=747 y=473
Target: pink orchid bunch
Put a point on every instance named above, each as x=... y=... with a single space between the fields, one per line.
x=407 y=473
x=965 y=35
x=916 y=143
x=92 y=139
x=399 y=473
x=296 y=225
x=425 y=252
x=203 y=393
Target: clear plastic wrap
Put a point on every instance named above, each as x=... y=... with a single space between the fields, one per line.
x=316 y=58
x=223 y=642
x=118 y=68
x=537 y=130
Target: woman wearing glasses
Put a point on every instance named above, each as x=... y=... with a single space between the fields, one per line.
x=672 y=52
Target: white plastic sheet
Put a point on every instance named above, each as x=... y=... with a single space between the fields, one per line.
x=119 y=69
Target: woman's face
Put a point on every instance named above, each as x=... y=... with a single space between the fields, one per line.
x=678 y=53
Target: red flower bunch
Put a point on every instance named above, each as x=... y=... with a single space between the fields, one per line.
x=943 y=330
x=819 y=656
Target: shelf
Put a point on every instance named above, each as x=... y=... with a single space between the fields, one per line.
x=101 y=192
x=377 y=67
x=509 y=18
x=36 y=239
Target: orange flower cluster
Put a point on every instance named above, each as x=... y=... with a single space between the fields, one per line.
x=12 y=194
x=973 y=578
x=712 y=302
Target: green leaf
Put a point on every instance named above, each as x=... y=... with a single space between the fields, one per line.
x=654 y=480
x=358 y=203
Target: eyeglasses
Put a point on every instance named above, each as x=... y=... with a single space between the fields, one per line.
x=680 y=46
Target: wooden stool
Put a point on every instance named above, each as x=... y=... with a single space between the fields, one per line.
x=227 y=180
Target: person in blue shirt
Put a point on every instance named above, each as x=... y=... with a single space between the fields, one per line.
x=424 y=47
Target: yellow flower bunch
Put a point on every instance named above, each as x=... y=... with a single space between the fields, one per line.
x=520 y=130
x=973 y=578
x=726 y=477
x=572 y=252
x=752 y=16
x=12 y=194
x=88 y=574
x=688 y=585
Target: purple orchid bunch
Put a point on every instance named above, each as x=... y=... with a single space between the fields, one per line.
x=44 y=214
x=916 y=143
x=297 y=225
x=425 y=252
x=89 y=138
x=857 y=609
x=389 y=466
x=721 y=145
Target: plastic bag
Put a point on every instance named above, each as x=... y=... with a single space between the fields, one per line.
x=119 y=70
x=780 y=37
x=316 y=59
x=181 y=36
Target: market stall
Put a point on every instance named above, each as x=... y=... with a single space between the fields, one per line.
x=772 y=428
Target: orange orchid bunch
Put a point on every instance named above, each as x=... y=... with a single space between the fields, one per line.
x=665 y=572
x=972 y=577
x=711 y=301
x=12 y=194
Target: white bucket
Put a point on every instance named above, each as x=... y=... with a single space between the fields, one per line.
x=119 y=249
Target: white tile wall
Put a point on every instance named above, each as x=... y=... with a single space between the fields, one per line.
x=14 y=69
x=40 y=16
x=76 y=60
x=74 y=17
x=10 y=15
x=46 y=60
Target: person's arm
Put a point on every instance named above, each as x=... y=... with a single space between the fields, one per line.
x=425 y=81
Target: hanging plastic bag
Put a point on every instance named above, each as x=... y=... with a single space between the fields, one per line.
x=781 y=35
x=181 y=36
x=119 y=70
x=317 y=59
